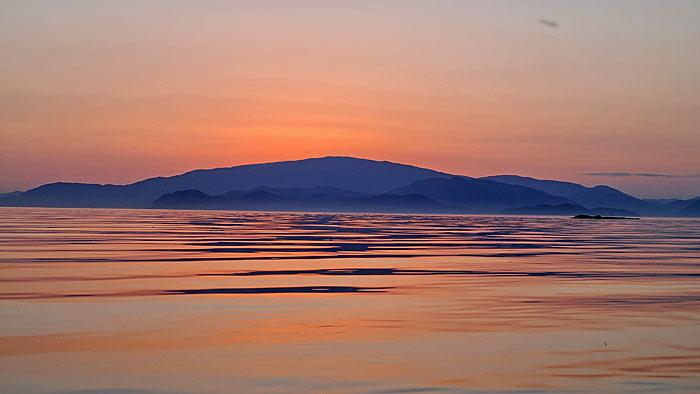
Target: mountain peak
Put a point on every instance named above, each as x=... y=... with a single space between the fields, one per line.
x=555 y=188
x=605 y=188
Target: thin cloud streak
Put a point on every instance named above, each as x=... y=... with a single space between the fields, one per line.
x=549 y=23
x=642 y=174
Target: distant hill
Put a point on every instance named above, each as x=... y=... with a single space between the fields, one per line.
x=84 y=195
x=282 y=200
x=677 y=208
x=568 y=210
x=589 y=197
x=10 y=194
x=608 y=197
x=338 y=183
x=310 y=191
x=555 y=188
x=662 y=201
x=357 y=175
x=692 y=210
x=185 y=199
x=478 y=194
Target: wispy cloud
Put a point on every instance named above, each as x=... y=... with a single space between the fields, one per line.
x=549 y=23
x=643 y=174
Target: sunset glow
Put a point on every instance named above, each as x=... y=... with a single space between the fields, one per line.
x=114 y=92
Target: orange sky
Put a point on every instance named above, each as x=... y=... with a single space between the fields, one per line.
x=114 y=92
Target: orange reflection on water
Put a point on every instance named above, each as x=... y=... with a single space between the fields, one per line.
x=226 y=301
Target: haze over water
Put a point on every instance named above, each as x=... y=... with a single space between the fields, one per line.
x=219 y=302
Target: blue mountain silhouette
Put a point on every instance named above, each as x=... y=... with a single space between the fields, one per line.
x=478 y=195
x=691 y=210
x=338 y=183
x=284 y=200
x=588 y=197
x=357 y=175
x=555 y=188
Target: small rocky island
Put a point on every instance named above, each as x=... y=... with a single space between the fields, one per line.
x=603 y=217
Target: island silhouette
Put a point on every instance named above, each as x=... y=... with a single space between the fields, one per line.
x=348 y=184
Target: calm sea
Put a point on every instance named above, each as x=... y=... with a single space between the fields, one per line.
x=150 y=301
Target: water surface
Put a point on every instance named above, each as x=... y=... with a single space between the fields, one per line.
x=130 y=301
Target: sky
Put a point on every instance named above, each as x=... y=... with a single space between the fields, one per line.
x=595 y=91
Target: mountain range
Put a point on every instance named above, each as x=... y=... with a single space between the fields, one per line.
x=347 y=184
